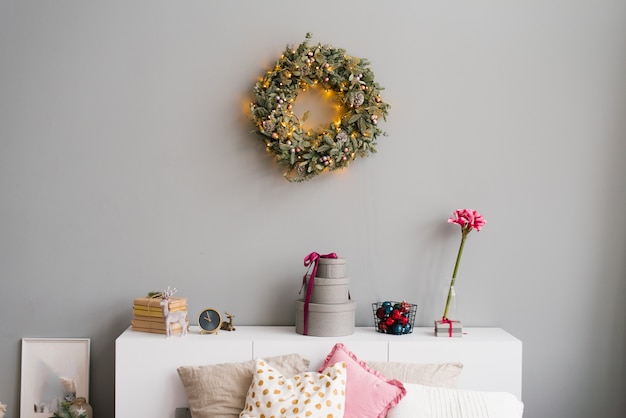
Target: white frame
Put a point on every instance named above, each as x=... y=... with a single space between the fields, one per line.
x=46 y=359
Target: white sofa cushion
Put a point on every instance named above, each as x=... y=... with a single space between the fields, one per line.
x=437 y=402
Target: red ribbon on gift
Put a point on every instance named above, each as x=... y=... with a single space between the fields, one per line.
x=444 y=320
x=311 y=259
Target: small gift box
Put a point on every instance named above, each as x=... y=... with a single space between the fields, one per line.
x=331 y=268
x=448 y=328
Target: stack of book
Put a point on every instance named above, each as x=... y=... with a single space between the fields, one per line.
x=148 y=315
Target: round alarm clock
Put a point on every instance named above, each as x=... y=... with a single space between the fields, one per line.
x=210 y=321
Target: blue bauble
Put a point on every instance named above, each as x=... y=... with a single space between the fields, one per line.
x=396 y=328
x=406 y=329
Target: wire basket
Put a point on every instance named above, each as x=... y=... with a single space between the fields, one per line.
x=396 y=318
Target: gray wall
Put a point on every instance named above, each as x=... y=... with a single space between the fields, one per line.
x=127 y=164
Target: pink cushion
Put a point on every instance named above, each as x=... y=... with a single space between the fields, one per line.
x=368 y=392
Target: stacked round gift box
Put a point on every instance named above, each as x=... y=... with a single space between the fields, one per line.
x=331 y=312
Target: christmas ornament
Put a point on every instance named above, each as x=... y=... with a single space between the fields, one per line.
x=349 y=82
x=394 y=317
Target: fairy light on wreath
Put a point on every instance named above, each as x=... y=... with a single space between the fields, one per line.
x=350 y=84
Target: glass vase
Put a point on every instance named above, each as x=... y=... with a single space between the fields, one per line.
x=80 y=404
x=450 y=308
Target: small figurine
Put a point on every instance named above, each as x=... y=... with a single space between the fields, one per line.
x=70 y=388
x=3 y=409
x=228 y=326
x=172 y=317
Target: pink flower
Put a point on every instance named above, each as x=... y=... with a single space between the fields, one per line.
x=468 y=219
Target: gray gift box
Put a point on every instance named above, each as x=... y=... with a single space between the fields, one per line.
x=326 y=319
x=326 y=290
x=331 y=268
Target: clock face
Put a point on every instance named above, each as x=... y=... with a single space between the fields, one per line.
x=210 y=320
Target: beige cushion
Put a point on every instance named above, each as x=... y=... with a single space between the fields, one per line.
x=442 y=375
x=219 y=390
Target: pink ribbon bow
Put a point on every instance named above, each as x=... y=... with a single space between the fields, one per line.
x=311 y=259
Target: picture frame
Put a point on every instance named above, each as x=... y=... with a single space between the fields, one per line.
x=44 y=362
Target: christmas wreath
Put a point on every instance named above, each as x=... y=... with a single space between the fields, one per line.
x=350 y=82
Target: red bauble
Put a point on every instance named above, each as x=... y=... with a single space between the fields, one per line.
x=380 y=313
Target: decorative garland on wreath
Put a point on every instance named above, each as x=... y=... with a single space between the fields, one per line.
x=307 y=153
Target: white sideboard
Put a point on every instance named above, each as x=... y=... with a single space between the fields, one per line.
x=147 y=383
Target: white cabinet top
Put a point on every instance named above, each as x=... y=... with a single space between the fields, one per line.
x=287 y=333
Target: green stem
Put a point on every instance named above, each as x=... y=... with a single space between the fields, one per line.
x=456 y=268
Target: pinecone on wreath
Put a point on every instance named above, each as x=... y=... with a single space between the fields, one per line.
x=357 y=99
x=341 y=137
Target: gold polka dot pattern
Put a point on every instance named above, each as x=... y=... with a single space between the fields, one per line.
x=309 y=394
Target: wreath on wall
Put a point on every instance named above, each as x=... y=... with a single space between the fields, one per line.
x=350 y=83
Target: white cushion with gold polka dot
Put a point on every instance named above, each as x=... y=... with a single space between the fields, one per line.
x=309 y=394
